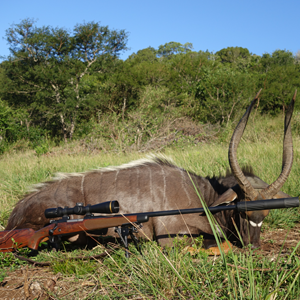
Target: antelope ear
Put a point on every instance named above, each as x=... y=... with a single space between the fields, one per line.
x=281 y=194
x=259 y=184
x=227 y=197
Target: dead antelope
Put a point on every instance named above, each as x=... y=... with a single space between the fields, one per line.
x=156 y=184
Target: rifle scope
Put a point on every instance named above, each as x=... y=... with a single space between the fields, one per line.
x=102 y=208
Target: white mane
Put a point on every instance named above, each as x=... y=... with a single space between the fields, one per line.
x=151 y=159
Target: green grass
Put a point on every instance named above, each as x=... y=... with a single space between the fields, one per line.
x=170 y=273
x=175 y=274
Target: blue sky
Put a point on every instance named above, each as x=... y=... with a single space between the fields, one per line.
x=261 y=26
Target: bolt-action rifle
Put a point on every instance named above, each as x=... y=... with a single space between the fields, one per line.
x=125 y=224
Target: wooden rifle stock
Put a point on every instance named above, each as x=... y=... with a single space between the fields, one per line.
x=12 y=239
x=30 y=238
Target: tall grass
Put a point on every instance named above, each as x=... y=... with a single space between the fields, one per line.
x=174 y=273
x=20 y=170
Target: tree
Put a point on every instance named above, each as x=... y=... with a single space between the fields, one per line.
x=122 y=89
x=279 y=85
x=237 y=56
x=147 y=54
x=277 y=58
x=222 y=93
x=297 y=57
x=169 y=49
x=48 y=65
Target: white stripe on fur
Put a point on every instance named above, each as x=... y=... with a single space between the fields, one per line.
x=139 y=162
x=255 y=224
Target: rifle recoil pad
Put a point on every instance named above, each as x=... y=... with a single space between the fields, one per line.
x=102 y=208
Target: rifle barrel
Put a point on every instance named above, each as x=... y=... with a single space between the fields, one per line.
x=239 y=207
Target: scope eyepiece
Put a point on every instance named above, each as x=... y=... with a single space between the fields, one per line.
x=102 y=208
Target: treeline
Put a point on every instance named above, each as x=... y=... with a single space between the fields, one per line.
x=62 y=85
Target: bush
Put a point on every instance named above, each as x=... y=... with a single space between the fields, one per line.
x=13 y=129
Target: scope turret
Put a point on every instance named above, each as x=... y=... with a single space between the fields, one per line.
x=102 y=208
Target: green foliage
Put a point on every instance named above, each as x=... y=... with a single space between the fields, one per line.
x=180 y=243
x=286 y=218
x=14 y=127
x=296 y=123
x=9 y=263
x=11 y=128
x=61 y=83
x=186 y=71
x=42 y=149
x=277 y=58
x=236 y=56
x=48 y=65
x=280 y=84
x=172 y=48
x=144 y=55
x=151 y=125
x=4 y=215
x=78 y=268
x=222 y=94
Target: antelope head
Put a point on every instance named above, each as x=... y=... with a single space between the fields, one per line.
x=251 y=221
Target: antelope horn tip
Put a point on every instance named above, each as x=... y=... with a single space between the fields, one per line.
x=295 y=94
x=257 y=94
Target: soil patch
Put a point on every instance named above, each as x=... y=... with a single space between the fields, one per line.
x=40 y=283
x=276 y=239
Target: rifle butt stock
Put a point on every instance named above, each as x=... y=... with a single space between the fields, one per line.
x=14 y=239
